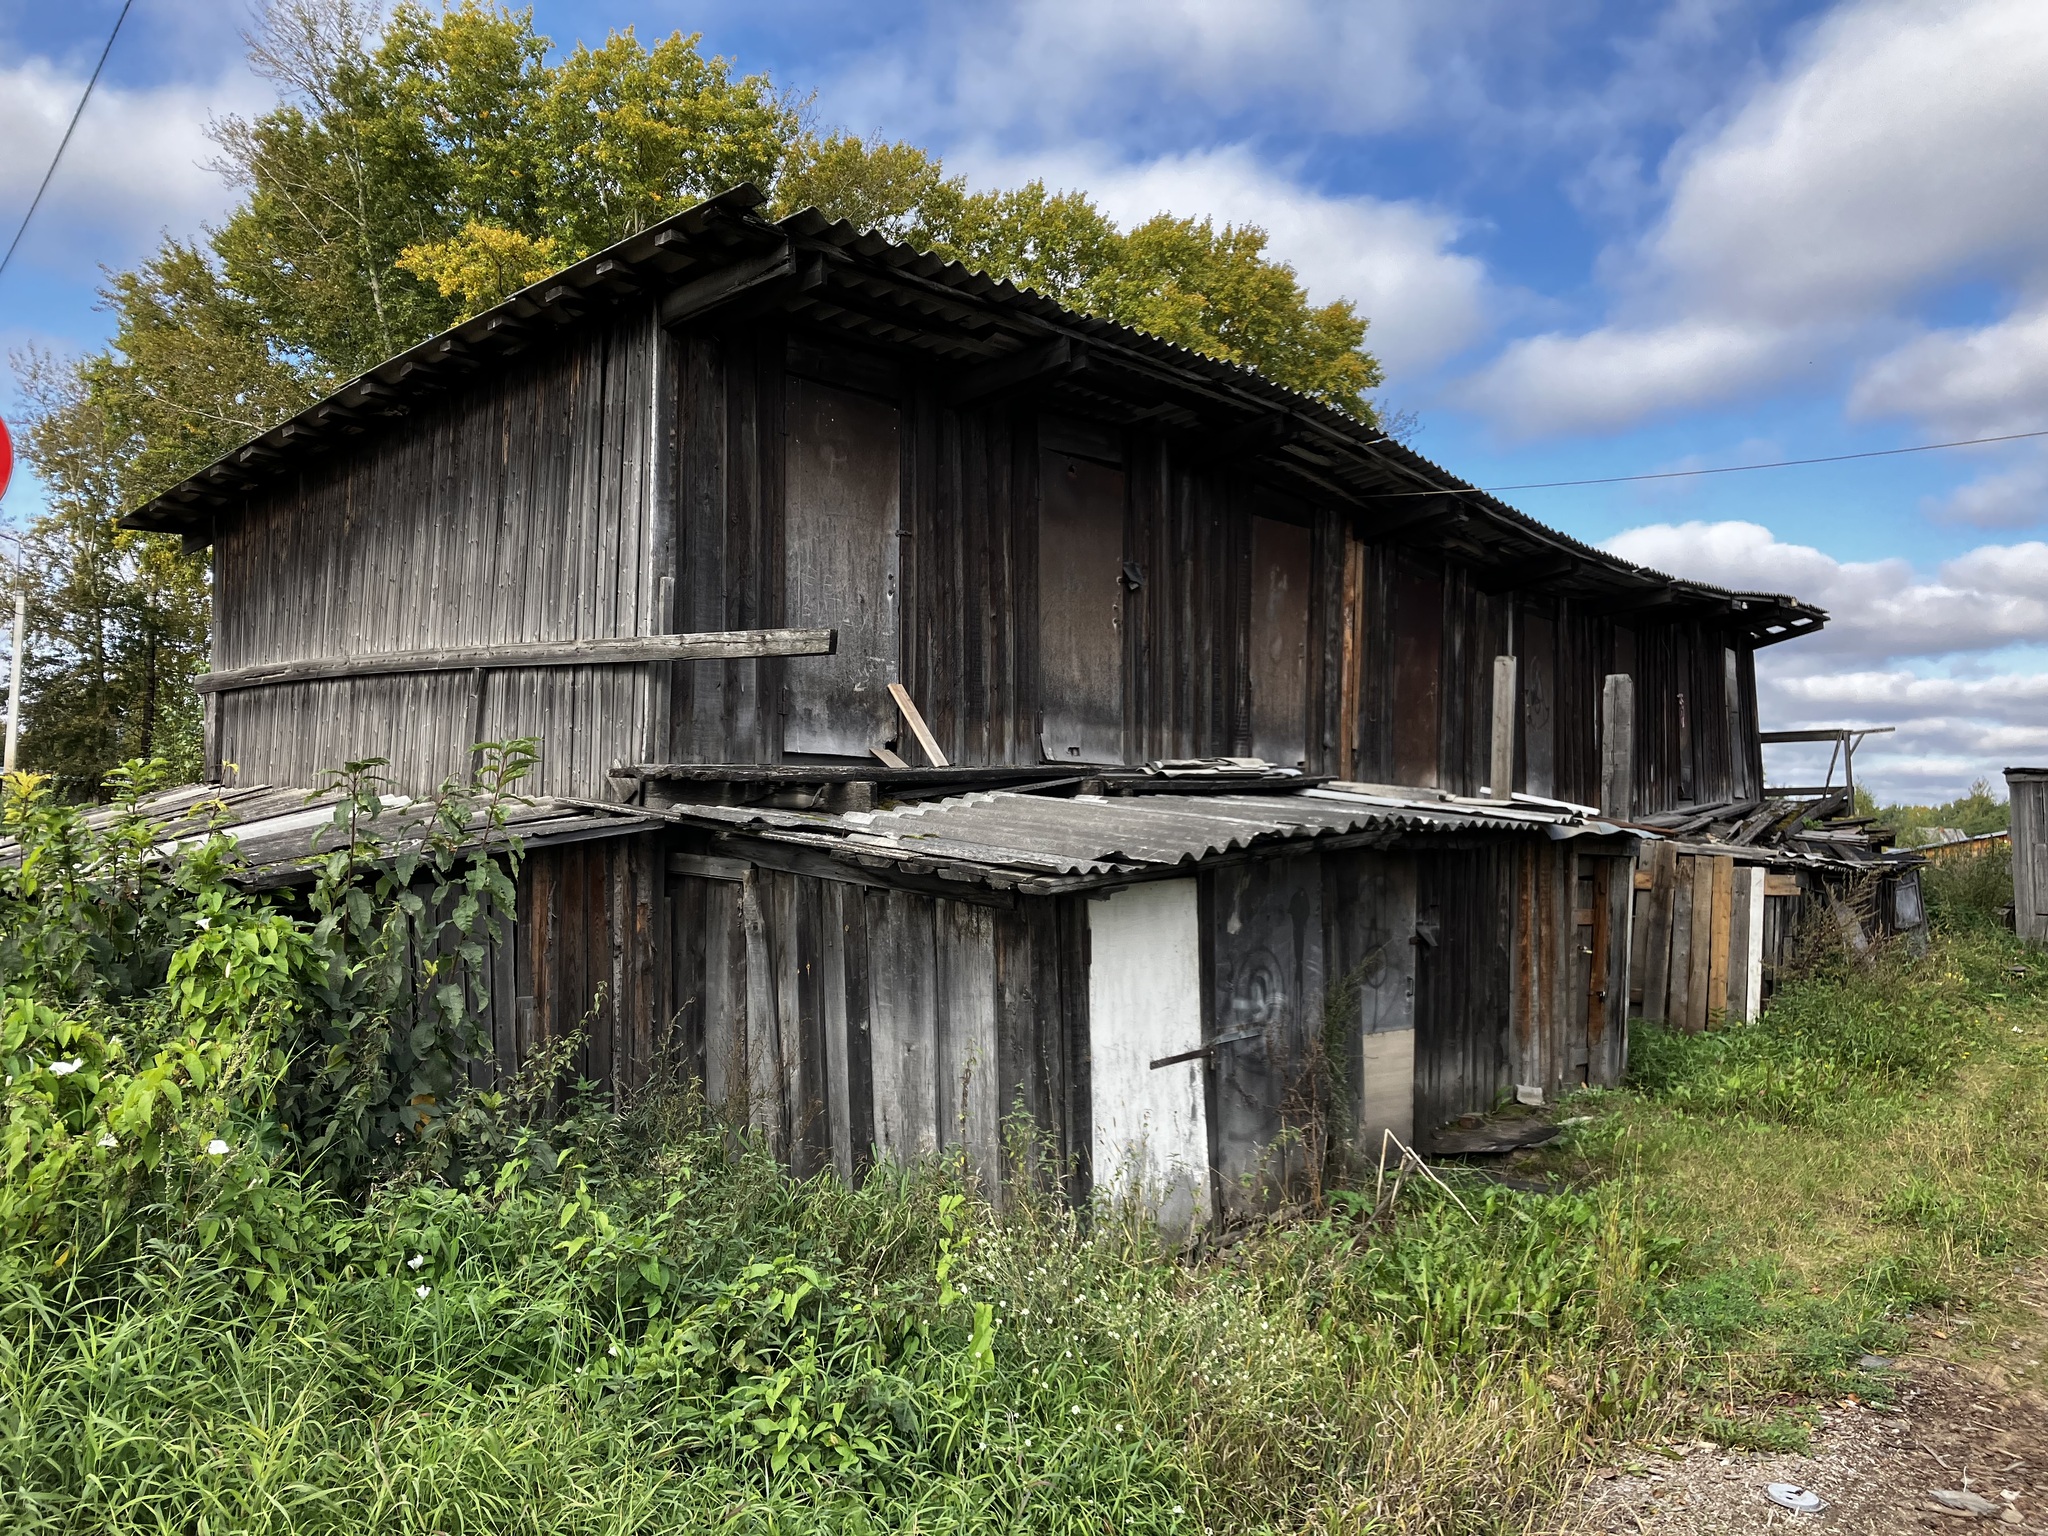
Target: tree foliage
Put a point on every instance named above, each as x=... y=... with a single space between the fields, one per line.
x=422 y=165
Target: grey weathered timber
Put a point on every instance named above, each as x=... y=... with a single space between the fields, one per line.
x=705 y=294
x=560 y=653
x=1279 y=641
x=2027 y=789
x=1500 y=758
x=1618 y=746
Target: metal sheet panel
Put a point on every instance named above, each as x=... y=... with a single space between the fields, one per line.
x=1279 y=641
x=1150 y=1126
x=840 y=568
x=1080 y=610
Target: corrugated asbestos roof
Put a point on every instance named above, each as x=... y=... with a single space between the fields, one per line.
x=1038 y=844
x=279 y=830
x=904 y=300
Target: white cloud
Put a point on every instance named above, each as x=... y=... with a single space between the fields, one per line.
x=135 y=166
x=1900 y=150
x=1945 y=658
x=1907 y=141
x=1556 y=383
x=2008 y=498
x=1394 y=259
x=1073 y=69
x=1968 y=381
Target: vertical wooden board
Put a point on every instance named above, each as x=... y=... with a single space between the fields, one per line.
x=1369 y=907
x=902 y=1009
x=811 y=1131
x=1416 y=640
x=1721 y=936
x=1080 y=610
x=840 y=551
x=1659 y=913
x=1351 y=694
x=765 y=1108
x=1538 y=654
x=1027 y=1012
x=835 y=897
x=1617 y=746
x=1264 y=941
x=969 y=1112
x=1746 y=944
x=1279 y=641
x=1068 y=1047
x=1679 y=1008
x=782 y=904
x=1150 y=1130
x=1700 y=954
x=1501 y=735
x=1529 y=1010
x=860 y=1079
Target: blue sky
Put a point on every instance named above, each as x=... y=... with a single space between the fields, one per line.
x=1593 y=239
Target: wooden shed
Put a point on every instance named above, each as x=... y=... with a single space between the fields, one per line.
x=2027 y=793
x=803 y=543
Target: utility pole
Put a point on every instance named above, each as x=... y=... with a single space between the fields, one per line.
x=14 y=678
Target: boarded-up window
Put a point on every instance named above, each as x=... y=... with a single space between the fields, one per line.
x=1080 y=610
x=1279 y=641
x=840 y=567
x=1538 y=672
x=1418 y=670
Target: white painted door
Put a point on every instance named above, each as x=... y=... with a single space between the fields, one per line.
x=1151 y=1138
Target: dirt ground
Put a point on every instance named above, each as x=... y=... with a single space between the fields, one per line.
x=1971 y=1415
x=1875 y=1469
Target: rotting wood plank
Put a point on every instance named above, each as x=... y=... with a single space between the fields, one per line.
x=1720 y=938
x=1679 y=1009
x=1659 y=929
x=1500 y=771
x=1700 y=951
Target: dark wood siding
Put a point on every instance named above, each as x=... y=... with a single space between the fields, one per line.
x=1080 y=610
x=1279 y=641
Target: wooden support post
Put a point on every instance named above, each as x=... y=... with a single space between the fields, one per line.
x=1701 y=954
x=1618 y=746
x=1658 y=915
x=1501 y=760
x=1720 y=939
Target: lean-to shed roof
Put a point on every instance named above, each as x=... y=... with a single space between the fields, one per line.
x=722 y=257
x=1038 y=844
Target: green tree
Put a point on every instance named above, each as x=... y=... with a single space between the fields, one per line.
x=422 y=165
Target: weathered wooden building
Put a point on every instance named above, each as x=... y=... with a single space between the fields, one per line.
x=934 y=642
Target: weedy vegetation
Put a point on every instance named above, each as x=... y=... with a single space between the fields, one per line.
x=269 y=1262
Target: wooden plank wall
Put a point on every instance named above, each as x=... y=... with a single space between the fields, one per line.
x=1696 y=950
x=1395 y=692
x=1464 y=980
x=839 y=1021
x=519 y=511
x=593 y=955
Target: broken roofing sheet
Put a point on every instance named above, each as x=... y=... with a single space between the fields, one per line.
x=278 y=830
x=1038 y=844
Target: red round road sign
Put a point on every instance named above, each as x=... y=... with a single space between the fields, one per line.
x=6 y=456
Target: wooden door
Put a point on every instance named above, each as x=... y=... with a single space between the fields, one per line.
x=1264 y=927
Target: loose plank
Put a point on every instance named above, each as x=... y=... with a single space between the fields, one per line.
x=718 y=646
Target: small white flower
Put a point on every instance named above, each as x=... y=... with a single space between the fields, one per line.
x=423 y=1291
x=1076 y=1409
x=612 y=1350
x=217 y=1148
x=416 y=1262
x=107 y=1139
x=205 y=922
x=66 y=1068
x=579 y=1370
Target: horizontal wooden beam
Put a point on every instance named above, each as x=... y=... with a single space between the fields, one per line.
x=1054 y=360
x=728 y=283
x=724 y=645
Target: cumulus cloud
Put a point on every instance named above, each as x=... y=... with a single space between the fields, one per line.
x=2009 y=498
x=1971 y=381
x=135 y=167
x=1396 y=260
x=1901 y=149
x=1947 y=658
x=1065 y=70
x=1607 y=378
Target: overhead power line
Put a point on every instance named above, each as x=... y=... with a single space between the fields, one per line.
x=37 y=202
x=1732 y=469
